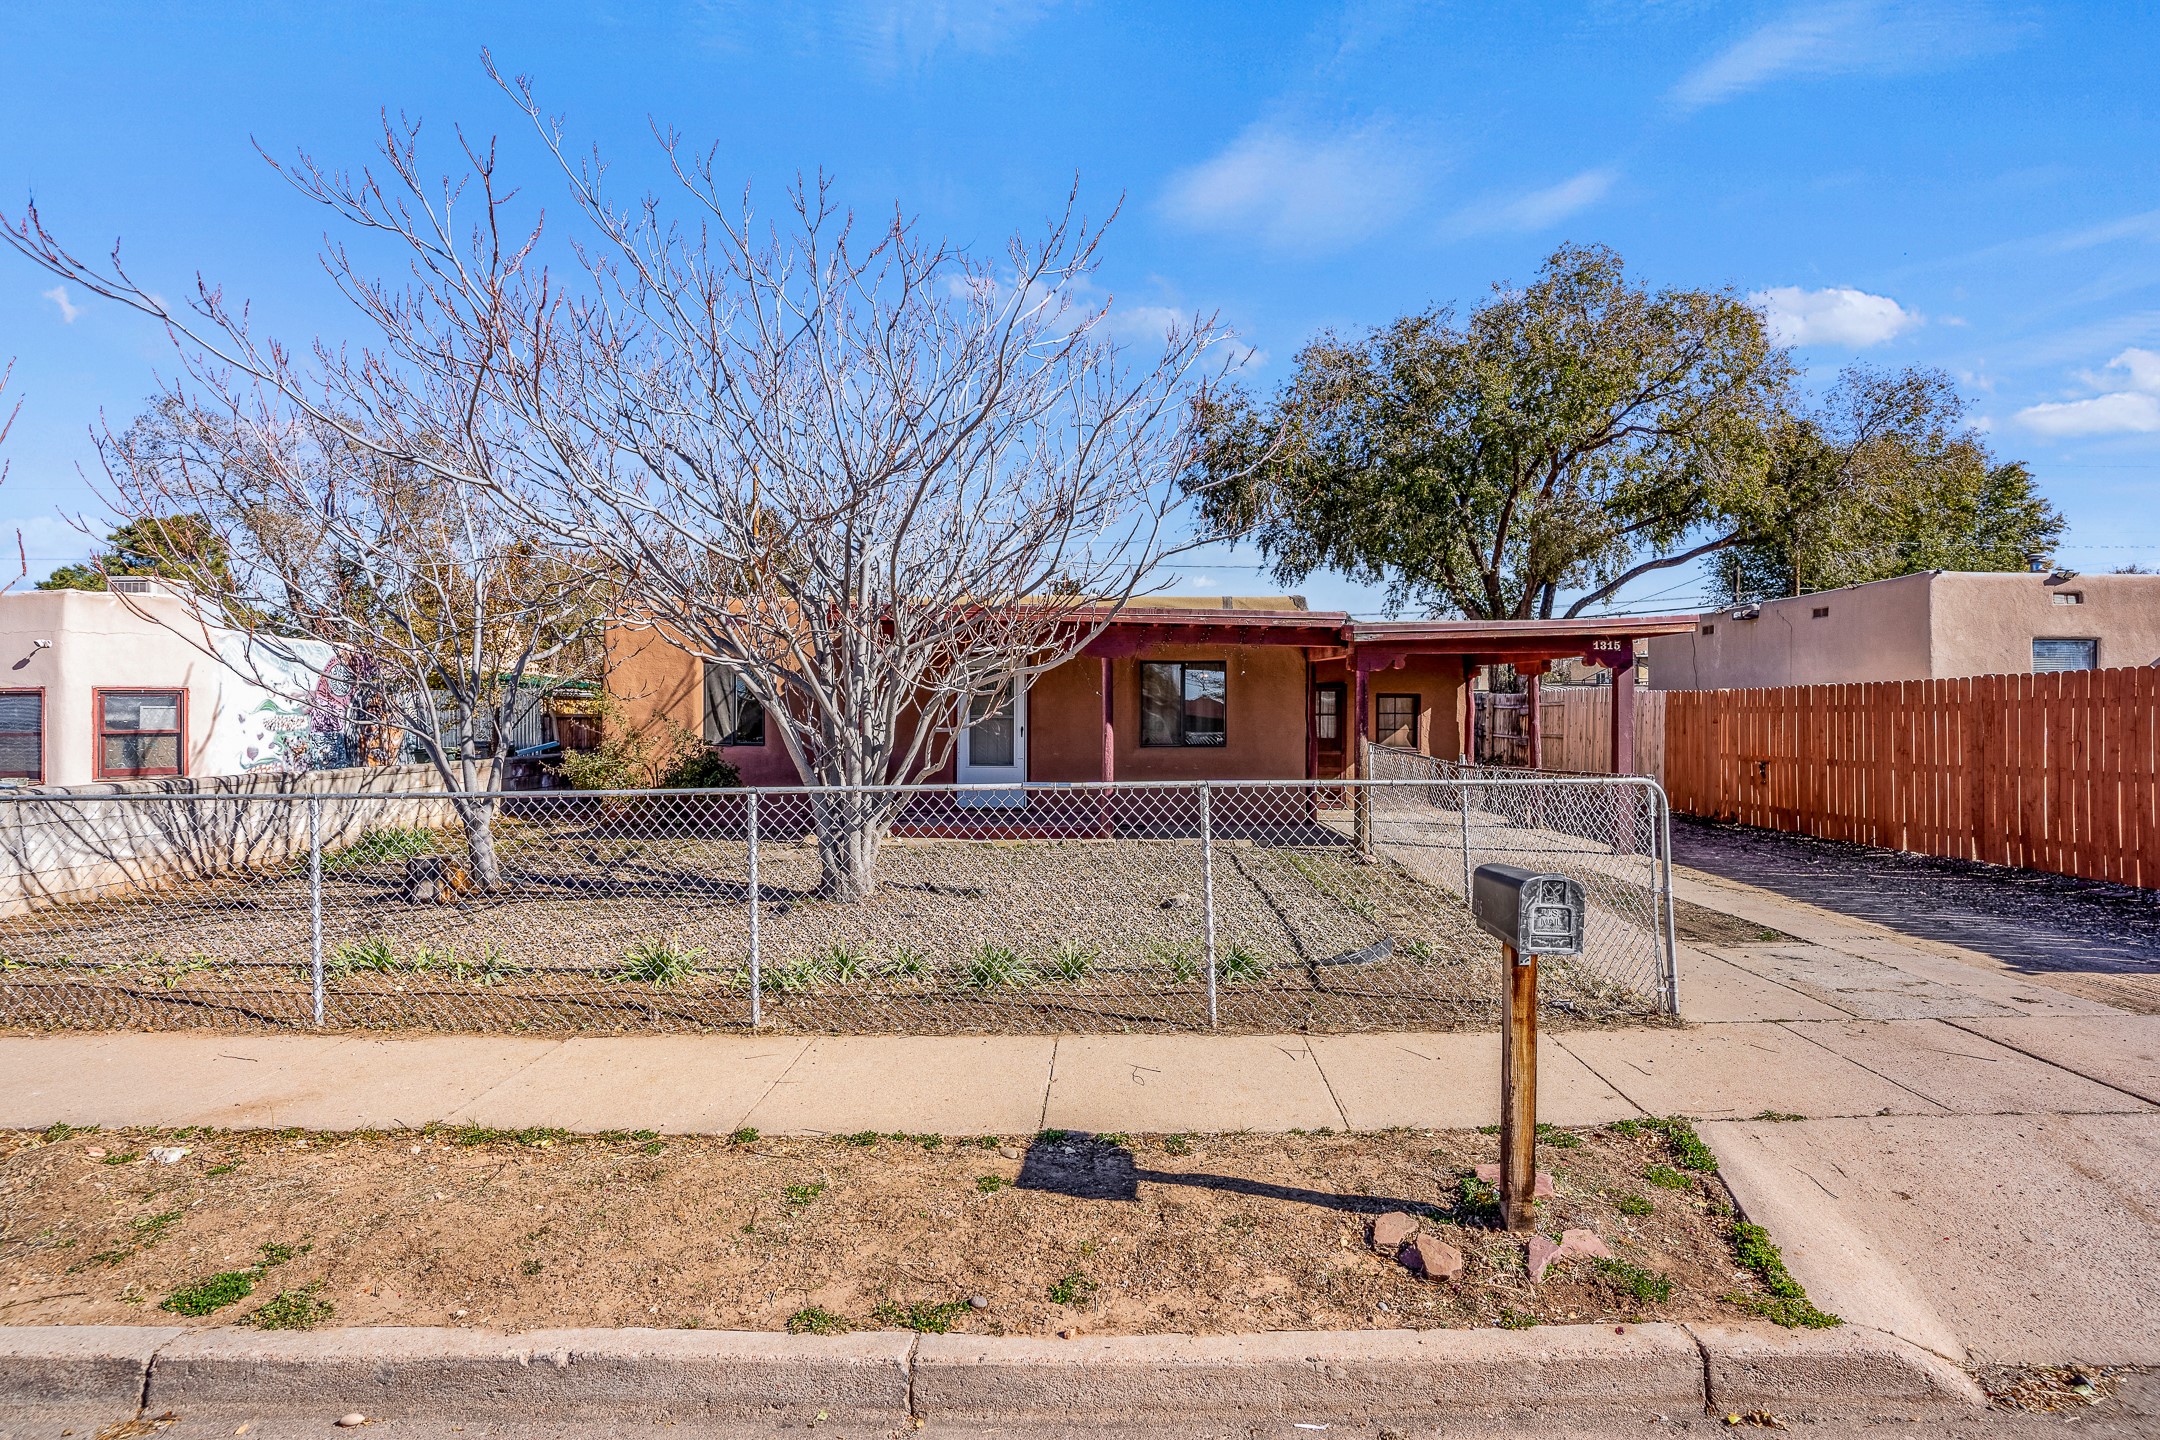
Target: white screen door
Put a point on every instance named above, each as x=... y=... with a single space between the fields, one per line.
x=993 y=748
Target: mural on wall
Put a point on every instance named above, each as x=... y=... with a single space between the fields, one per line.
x=292 y=713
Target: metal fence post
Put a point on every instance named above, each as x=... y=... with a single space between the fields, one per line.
x=1462 y=800
x=757 y=1014
x=1207 y=877
x=314 y=828
x=1661 y=825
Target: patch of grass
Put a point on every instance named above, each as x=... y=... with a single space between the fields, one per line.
x=907 y=963
x=991 y=1184
x=123 y=1157
x=376 y=847
x=1073 y=1288
x=748 y=1135
x=424 y=958
x=276 y=1254
x=1626 y=1128
x=791 y=977
x=861 y=1139
x=1776 y=1115
x=1071 y=961
x=1182 y=961
x=817 y=1320
x=924 y=1317
x=538 y=1137
x=1476 y=1201
x=1116 y=1139
x=660 y=963
x=1633 y=1205
x=301 y=1309
x=1688 y=1150
x=1667 y=1178
x=1647 y=1287
x=1559 y=1139
x=1177 y=1144
x=803 y=1194
x=844 y=964
x=372 y=952
x=1054 y=1137
x=1785 y=1300
x=60 y=1130
x=1238 y=965
x=225 y=1169
x=983 y=1142
x=1515 y=1320
x=928 y=1142
x=1416 y=950
x=996 y=967
x=531 y=1268
x=204 y=1297
x=490 y=967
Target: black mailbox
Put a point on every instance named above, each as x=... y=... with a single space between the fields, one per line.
x=1537 y=914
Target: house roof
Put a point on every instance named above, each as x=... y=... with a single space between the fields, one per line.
x=1169 y=620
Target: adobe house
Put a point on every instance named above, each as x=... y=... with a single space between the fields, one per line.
x=1935 y=624
x=1188 y=689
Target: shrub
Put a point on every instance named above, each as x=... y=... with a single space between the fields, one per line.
x=994 y=967
x=660 y=963
x=701 y=769
x=1071 y=961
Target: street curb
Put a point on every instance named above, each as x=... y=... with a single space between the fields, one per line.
x=893 y=1376
x=1843 y=1370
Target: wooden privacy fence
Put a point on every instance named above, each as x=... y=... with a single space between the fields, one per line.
x=2047 y=772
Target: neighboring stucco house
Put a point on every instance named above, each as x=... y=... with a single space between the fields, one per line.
x=92 y=688
x=1179 y=689
x=1932 y=625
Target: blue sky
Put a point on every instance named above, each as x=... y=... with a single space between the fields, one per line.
x=1967 y=185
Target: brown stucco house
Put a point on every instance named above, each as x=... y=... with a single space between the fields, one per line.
x=1185 y=689
x=1935 y=624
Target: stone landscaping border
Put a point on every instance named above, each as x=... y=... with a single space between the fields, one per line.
x=895 y=1376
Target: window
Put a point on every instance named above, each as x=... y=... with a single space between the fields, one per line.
x=1182 y=703
x=140 y=733
x=2069 y=597
x=733 y=716
x=1327 y=708
x=1709 y=629
x=1822 y=612
x=1395 y=720
x=2054 y=654
x=22 y=735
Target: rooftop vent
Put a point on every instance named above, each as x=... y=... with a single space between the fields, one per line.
x=131 y=585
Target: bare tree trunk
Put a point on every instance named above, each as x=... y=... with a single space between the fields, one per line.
x=479 y=821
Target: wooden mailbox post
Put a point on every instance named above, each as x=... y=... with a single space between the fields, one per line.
x=1530 y=914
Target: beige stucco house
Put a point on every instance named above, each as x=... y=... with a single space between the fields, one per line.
x=1932 y=625
x=97 y=686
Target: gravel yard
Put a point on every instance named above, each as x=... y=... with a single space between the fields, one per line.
x=1055 y=1233
x=596 y=930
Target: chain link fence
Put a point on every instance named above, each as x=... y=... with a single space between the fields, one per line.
x=1258 y=907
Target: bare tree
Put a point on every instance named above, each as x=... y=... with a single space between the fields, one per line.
x=881 y=480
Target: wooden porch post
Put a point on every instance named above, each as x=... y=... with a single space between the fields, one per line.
x=1109 y=749
x=1361 y=798
x=1623 y=712
x=1466 y=723
x=1533 y=722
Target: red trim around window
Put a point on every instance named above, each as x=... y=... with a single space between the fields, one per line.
x=98 y=732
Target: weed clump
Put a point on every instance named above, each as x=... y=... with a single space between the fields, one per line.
x=660 y=963
x=1785 y=1300
x=1073 y=1289
x=1646 y=1287
x=924 y=1317
x=228 y=1287
x=817 y=1320
x=990 y=1184
x=301 y=1309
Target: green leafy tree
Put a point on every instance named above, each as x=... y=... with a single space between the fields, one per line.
x=1574 y=434
x=173 y=547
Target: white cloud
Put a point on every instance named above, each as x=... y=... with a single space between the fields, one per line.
x=1297 y=192
x=1836 y=38
x=888 y=36
x=2134 y=411
x=1540 y=209
x=68 y=309
x=1833 y=316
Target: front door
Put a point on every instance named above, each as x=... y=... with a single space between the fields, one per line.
x=993 y=750
x=1330 y=726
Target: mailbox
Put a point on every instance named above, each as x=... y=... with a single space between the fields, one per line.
x=1537 y=914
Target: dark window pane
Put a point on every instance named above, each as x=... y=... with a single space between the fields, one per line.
x=1162 y=705
x=1396 y=717
x=2065 y=655
x=142 y=710
x=1327 y=713
x=22 y=712
x=990 y=731
x=733 y=716
x=749 y=727
x=1207 y=707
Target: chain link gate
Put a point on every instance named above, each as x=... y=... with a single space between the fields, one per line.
x=1255 y=906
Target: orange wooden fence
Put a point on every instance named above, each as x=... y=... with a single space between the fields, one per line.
x=2048 y=772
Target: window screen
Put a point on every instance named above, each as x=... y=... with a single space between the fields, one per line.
x=22 y=735
x=1184 y=703
x=139 y=733
x=733 y=716
x=990 y=730
x=2053 y=654
x=1395 y=720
